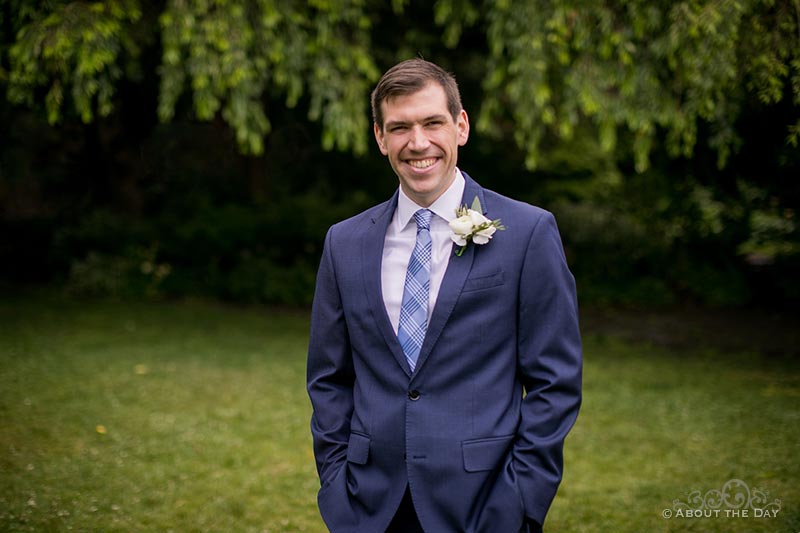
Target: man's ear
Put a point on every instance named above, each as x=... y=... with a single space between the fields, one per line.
x=462 y=124
x=379 y=138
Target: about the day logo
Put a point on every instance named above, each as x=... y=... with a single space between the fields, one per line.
x=734 y=500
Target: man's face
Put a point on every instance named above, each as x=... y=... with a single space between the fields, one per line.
x=421 y=141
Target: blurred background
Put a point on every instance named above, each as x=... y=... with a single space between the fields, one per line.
x=168 y=171
x=173 y=149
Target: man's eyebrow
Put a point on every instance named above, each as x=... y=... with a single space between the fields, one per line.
x=394 y=123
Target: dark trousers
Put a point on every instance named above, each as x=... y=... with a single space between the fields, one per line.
x=405 y=519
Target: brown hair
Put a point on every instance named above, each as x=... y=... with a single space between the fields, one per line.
x=410 y=76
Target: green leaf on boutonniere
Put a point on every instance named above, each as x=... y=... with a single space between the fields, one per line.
x=476 y=205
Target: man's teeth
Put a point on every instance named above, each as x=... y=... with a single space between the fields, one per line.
x=425 y=163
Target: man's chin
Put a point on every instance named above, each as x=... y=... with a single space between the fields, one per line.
x=423 y=196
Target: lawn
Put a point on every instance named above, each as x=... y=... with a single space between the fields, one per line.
x=194 y=417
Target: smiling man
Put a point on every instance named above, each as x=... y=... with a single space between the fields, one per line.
x=443 y=378
x=421 y=139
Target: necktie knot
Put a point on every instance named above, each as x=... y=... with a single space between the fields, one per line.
x=423 y=219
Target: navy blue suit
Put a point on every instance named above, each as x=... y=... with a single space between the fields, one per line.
x=476 y=432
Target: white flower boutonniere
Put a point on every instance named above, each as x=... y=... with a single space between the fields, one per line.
x=471 y=225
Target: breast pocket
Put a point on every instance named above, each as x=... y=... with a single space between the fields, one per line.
x=481 y=282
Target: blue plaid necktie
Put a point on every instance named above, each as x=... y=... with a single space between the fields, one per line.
x=414 y=309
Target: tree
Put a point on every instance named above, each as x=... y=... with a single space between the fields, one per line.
x=639 y=66
x=227 y=54
x=678 y=120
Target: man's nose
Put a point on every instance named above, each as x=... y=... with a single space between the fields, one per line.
x=419 y=139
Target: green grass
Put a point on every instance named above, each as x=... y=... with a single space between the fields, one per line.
x=204 y=410
x=656 y=425
x=194 y=417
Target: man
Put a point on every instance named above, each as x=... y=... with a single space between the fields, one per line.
x=443 y=378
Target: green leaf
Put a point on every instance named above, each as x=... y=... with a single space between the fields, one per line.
x=476 y=205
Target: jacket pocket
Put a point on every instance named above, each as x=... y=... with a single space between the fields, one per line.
x=485 y=454
x=358 y=448
x=484 y=282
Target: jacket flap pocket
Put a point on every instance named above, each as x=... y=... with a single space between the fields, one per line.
x=358 y=449
x=485 y=454
x=484 y=282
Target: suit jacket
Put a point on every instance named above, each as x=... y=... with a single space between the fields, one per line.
x=476 y=431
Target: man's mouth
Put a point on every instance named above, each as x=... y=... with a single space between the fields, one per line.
x=421 y=163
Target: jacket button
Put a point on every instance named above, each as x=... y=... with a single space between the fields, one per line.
x=413 y=395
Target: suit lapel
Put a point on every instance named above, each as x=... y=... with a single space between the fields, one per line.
x=372 y=257
x=456 y=274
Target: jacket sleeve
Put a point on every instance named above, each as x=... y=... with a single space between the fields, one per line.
x=330 y=374
x=549 y=361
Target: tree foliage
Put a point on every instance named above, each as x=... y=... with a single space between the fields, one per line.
x=639 y=66
x=73 y=50
x=663 y=134
x=231 y=52
x=228 y=55
x=635 y=67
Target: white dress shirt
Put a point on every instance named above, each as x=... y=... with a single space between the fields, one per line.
x=401 y=236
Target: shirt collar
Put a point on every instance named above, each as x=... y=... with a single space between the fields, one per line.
x=444 y=207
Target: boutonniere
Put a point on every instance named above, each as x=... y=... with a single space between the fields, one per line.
x=471 y=225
